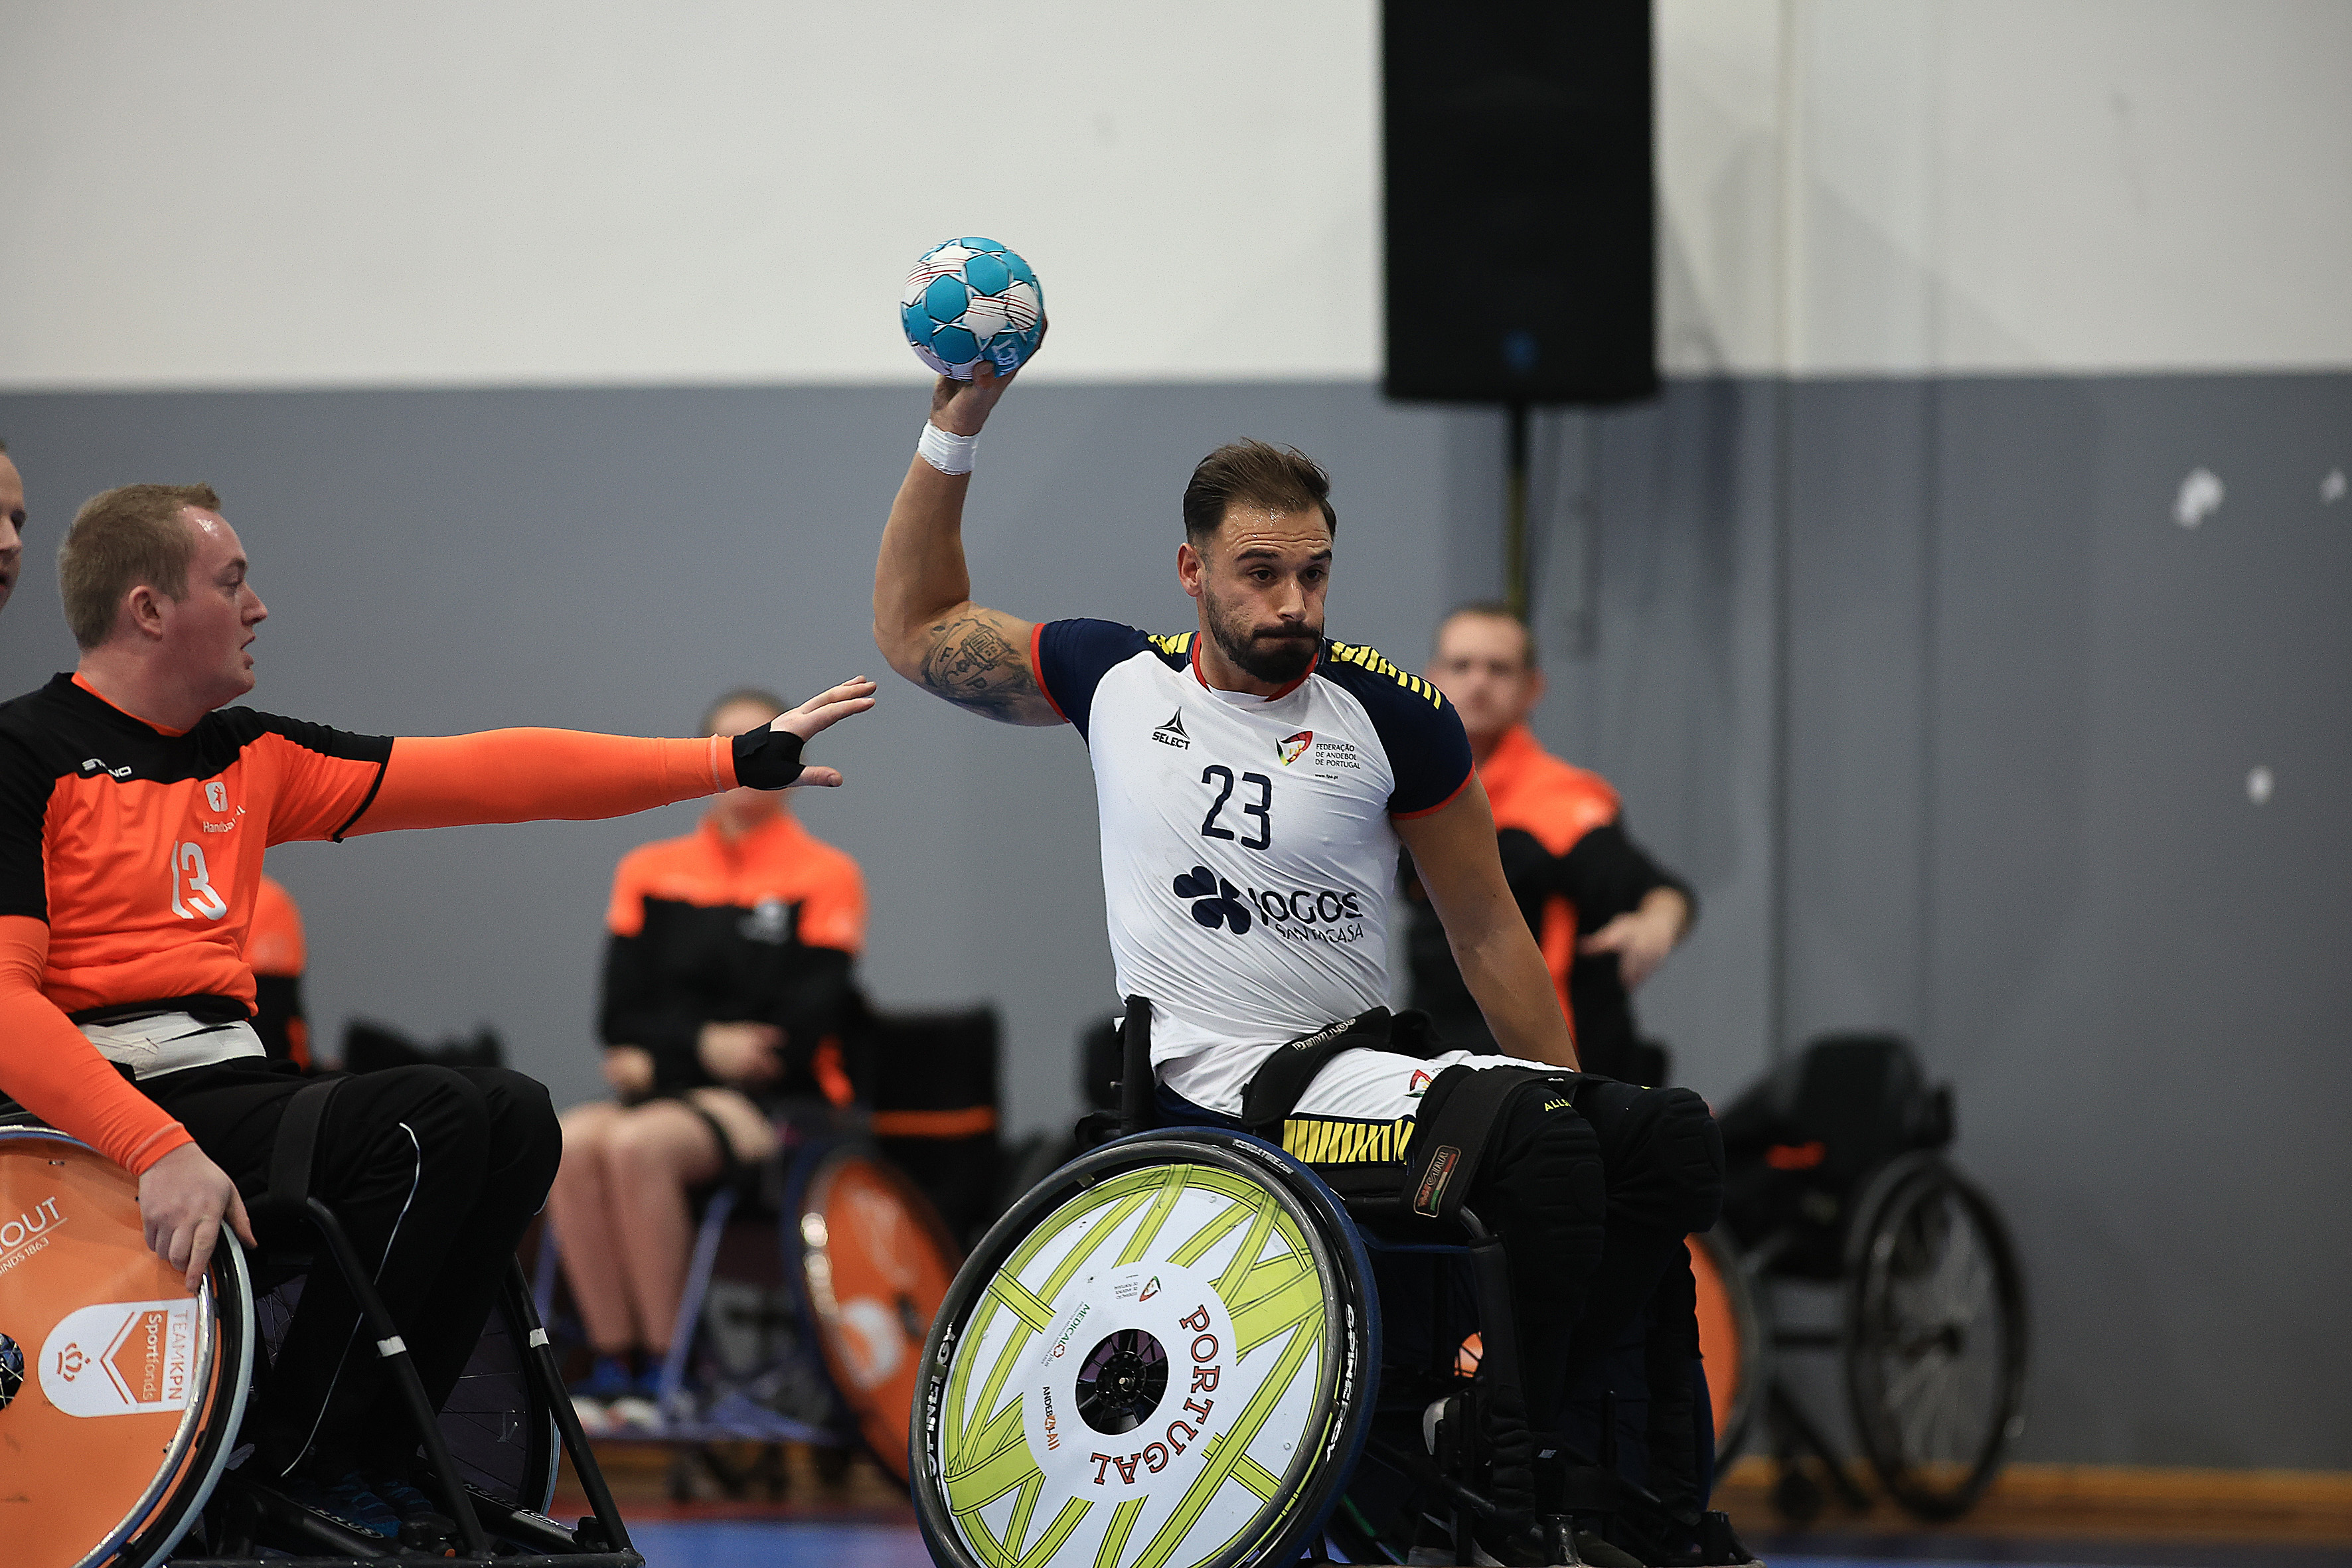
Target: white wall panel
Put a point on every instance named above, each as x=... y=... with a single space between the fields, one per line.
x=273 y=194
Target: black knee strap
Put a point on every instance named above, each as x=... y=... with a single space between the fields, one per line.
x=297 y=1148
x=1281 y=1081
x=1458 y=1117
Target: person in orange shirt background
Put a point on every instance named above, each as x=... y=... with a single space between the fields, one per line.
x=276 y=951
x=1605 y=913
x=727 y=989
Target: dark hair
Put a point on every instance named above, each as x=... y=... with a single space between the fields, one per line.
x=120 y=539
x=1494 y=610
x=1276 y=478
x=763 y=698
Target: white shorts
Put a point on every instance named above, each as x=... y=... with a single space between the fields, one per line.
x=1361 y=1106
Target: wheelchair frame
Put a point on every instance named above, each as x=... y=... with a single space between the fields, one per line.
x=1452 y=1480
x=599 y=1540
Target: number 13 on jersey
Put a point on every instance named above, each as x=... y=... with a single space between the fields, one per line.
x=193 y=893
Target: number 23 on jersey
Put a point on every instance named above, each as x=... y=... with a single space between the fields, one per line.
x=1220 y=777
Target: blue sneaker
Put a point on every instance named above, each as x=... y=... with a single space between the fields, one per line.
x=346 y=1501
x=411 y=1504
x=609 y=1379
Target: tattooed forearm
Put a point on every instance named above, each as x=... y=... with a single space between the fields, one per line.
x=969 y=662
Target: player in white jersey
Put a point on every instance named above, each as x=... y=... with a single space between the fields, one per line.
x=1253 y=781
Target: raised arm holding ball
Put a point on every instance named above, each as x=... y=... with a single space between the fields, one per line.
x=1254 y=780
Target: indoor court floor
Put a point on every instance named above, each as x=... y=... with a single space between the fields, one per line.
x=865 y=1523
x=773 y=1542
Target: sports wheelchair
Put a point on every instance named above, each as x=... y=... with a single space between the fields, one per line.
x=1187 y=1348
x=121 y=1395
x=814 y=1275
x=1838 y=1181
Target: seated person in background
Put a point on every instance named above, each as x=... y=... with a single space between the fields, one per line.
x=727 y=988
x=1605 y=915
x=12 y=525
x=126 y=999
x=277 y=955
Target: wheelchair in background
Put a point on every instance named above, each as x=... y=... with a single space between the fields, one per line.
x=814 y=1275
x=121 y=1395
x=1188 y=1348
x=1838 y=1185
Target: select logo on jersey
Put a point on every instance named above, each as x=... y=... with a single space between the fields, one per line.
x=1215 y=901
x=1171 y=734
x=90 y=765
x=1292 y=747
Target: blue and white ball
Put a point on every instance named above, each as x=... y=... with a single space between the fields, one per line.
x=972 y=299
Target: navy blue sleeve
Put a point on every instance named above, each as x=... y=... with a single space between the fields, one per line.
x=1428 y=751
x=1071 y=656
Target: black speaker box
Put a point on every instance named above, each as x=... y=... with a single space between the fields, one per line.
x=1520 y=210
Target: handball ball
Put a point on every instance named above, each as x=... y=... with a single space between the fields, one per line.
x=972 y=299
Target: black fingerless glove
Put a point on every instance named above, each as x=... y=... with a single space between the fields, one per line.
x=767 y=759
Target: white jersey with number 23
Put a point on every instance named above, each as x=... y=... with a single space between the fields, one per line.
x=1248 y=849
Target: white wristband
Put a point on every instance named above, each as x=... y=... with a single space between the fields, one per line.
x=947 y=452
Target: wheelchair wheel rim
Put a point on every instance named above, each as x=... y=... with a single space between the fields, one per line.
x=124 y=1373
x=1153 y=1361
x=874 y=1265
x=1935 y=1340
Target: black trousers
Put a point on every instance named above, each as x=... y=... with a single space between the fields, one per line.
x=433 y=1172
x=1593 y=1201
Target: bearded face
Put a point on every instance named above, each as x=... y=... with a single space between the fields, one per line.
x=1268 y=648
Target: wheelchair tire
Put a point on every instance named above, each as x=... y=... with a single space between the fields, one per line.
x=1196 y=1303
x=874 y=1263
x=1732 y=1340
x=1936 y=1337
x=120 y=1392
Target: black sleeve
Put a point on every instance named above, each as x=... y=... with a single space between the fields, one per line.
x=638 y=1011
x=815 y=999
x=1605 y=874
x=24 y=787
x=277 y=1007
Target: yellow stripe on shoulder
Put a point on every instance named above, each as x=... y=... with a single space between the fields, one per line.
x=1373 y=660
x=1179 y=643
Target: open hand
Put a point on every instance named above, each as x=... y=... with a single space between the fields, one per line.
x=740 y=1053
x=184 y=1200
x=1641 y=938
x=822 y=712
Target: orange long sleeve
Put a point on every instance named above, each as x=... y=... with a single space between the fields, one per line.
x=46 y=1066
x=537 y=775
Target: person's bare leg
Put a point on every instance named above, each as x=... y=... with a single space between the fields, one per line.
x=580 y=1206
x=658 y=1153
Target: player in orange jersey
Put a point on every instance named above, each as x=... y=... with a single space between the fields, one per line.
x=1603 y=912
x=726 y=986
x=134 y=812
x=12 y=525
x=275 y=948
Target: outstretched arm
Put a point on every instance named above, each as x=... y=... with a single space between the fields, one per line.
x=924 y=620
x=1454 y=851
x=537 y=775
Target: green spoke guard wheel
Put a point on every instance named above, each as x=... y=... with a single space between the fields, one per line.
x=1165 y=1356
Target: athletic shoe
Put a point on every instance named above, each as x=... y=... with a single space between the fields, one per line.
x=408 y=1501
x=608 y=1379
x=347 y=1501
x=633 y=1413
x=595 y=1418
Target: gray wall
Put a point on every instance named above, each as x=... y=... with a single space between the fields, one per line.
x=2008 y=761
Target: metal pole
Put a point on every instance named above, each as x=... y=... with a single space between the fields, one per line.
x=1515 y=511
